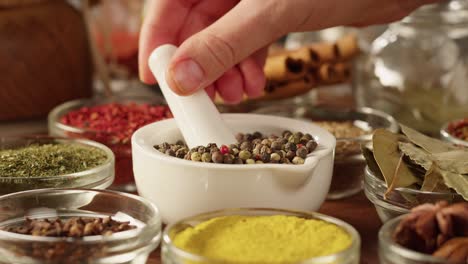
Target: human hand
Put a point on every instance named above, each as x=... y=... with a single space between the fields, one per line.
x=223 y=44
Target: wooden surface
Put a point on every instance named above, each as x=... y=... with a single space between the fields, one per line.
x=355 y=210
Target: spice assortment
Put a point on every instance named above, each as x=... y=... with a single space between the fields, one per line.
x=45 y=160
x=440 y=230
x=111 y=122
x=416 y=161
x=255 y=148
x=72 y=227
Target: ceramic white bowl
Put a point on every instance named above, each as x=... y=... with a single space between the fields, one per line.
x=182 y=188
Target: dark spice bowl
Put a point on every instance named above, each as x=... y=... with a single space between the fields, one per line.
x=392 y=253
x=446 y=134
x=401 y=200
x=127 y=247
x=348 y=171
x=99 y=177
x=116 y=141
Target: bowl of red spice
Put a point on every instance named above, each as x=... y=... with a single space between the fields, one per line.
x=110 y=121
x=456 y=132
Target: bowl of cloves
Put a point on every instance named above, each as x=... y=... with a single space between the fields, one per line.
x=77 y=226
x=277 y=162
x=430 y=233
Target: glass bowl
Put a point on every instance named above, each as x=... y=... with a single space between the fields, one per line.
x=127 y=247
x=99 y=177
x=445 y=135
x=174 y=255
x=401 y=200
x=124 y=180
x=392 y=253
x=348 y=171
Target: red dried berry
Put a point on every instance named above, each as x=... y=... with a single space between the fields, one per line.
x=224 y=149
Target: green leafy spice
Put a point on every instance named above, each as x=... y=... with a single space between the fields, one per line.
x=49 y=160
x=406 y=160
x=387 y=156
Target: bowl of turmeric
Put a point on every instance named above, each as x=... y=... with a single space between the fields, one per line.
x=257 y=236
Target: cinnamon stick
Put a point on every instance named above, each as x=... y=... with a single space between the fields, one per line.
x=283 y=67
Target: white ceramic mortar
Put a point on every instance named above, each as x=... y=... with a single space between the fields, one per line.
x=182 y=188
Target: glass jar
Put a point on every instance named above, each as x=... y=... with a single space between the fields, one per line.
x=417 y=69
x=446 y=134
x=127 y=247
x=124 y=180
x=392 y=253
x=349 y=164
x=174 y=255
x=45 y=57
x=99 y=177
x=401 y=200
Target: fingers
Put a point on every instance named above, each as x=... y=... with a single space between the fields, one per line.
x=229 y=86
x=163 y=22
x=249 y=26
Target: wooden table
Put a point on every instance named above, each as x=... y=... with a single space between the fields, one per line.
x=355 y=210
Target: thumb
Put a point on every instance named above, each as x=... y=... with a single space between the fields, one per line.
x=205 y=56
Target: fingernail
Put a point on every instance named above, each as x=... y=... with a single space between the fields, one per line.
x=187 y=76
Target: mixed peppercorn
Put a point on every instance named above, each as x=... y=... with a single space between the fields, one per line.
x=252 y=148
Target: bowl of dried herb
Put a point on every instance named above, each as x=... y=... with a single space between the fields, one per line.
x=409 y=169
x=49 y=162
x=77 y=226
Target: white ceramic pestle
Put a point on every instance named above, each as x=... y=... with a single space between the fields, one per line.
x=196 y=115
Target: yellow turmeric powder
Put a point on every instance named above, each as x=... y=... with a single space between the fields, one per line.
x=263 y=239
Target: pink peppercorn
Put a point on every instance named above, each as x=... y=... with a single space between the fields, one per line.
x=116 y=121
x=224 y=149
x=113 y=125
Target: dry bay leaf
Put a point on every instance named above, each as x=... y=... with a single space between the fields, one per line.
x=454 y=161
x=429 y=144
x=387 y=156
x=416 y=154
x=371 y=163
x=433 y=181
x=456 y=181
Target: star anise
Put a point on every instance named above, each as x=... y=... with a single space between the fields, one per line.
x=428 y=226
x=454 y=251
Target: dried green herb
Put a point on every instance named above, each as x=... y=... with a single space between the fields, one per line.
x=49 y=160
x=433 y=181
x=441 y=166
x=387 y=156
x=371 y=163
x=429 y=144
x=416 y=154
